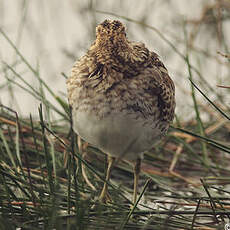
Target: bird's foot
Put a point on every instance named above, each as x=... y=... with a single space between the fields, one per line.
x=105 y=197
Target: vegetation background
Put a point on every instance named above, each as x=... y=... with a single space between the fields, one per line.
x=185 y=180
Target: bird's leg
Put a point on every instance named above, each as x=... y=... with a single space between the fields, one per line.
x=104 y=193
x=83 y=151
x=136 y=171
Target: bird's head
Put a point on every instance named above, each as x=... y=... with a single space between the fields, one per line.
x=110 y=33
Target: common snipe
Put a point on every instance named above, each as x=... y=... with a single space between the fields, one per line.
x=122 y=98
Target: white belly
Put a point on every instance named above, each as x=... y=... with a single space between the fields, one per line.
x=120 y=135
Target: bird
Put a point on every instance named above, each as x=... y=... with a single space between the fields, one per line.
x=122 y=98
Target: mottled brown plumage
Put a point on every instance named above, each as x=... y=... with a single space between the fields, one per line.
x=121 y=95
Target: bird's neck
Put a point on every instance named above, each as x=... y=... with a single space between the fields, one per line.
x=108 y=52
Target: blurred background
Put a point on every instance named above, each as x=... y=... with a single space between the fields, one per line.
x=52 y=35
